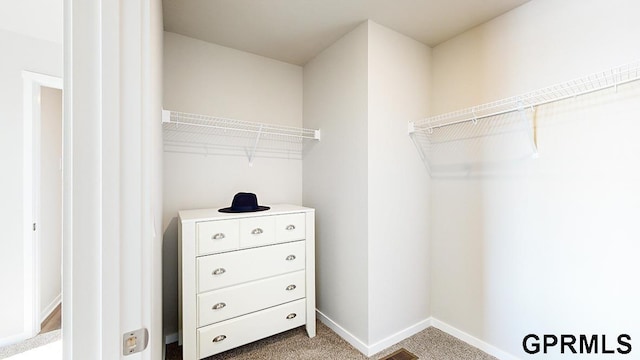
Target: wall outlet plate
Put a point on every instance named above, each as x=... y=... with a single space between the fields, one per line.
x=134 y=341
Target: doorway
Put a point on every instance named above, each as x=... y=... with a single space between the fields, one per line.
x=42 y=195
x=49 y=210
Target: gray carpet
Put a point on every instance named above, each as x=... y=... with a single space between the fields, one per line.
x=29 y=344
x=431 y=344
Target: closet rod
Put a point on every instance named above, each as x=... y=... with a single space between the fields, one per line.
x=581 y=86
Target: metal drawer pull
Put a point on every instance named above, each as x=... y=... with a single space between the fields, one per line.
x=219 y=271
x=219 y=338
x=290 y=257
x=218 y=306
x=290 y=227
x=291 y=287
x=256 y=231
x=218 y=236
x=291 y=316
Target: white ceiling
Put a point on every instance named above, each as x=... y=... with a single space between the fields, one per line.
x=295 y=31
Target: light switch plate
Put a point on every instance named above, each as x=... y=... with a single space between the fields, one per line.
x=134 y=341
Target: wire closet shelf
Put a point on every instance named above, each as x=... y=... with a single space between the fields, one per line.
x=611 y=78
x=480 y=134
x=216 y=135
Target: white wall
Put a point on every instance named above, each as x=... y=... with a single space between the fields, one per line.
x=335 y=178
x=20 y=53
x=45 y=23
x=50 y=225
x=398 y=185
x=209 y=79
x=545 y=246
x=368 y=185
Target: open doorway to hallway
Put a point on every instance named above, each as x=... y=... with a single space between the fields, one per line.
x=42 y=216
x=49 y=210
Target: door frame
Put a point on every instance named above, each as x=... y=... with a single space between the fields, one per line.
x=32 y=84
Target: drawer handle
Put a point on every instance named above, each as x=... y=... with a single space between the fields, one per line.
x=291 y=316
x=256 y=231
x=290 y=257
x=291 y=287
x=290 y=227
x=218 y=236
x=218 y=306
x=219 y=338
x=219 y=271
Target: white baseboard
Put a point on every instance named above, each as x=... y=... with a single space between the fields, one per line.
x=49 y=309
x=399 y=336
x=369 y=350
x=343 y=333
x=472 y=340
x=13 y=339
x=10 y=340
x=171 y=338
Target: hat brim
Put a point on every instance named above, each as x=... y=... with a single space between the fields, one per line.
x=232 y=210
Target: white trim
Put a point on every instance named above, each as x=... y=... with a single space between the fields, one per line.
x=472 y=340
x=343 y=333
x=369 y=350
x=67 y=181
x=31 y=124
x=50 y=308
x=13 y=339
x=27 y=206
x=43 y=79
x=399 y=336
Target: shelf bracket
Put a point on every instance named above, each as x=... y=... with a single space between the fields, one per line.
x=421 y=151
x=255 y=146
x=529 y=128
x=475 y=117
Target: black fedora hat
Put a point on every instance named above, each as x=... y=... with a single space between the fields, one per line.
x=244 y=202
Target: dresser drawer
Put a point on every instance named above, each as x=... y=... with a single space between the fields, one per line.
x=214 y=339
x=217 y=236
x=257 y=231
x=236 y=267
x=218 y=305
x=290 y=227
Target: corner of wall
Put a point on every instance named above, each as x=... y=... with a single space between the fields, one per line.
x=334 y=177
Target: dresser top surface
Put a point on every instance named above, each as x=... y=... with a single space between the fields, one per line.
x=214 y=214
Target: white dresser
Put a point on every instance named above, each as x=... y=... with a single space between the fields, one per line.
x=244 y=276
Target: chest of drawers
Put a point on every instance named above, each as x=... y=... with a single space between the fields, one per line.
x=244 y=276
